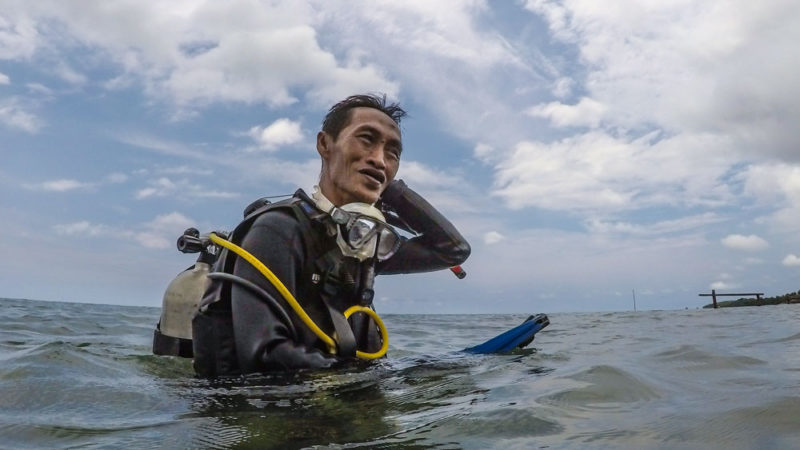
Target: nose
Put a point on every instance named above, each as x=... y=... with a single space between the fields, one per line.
x=377 y=158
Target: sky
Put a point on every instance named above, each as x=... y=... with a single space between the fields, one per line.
x=588 y=151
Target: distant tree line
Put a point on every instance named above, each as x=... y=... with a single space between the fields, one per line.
x=791 y=297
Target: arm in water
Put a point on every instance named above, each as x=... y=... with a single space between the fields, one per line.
x=263 y=341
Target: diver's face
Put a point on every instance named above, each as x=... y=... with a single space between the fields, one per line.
x=359 y=164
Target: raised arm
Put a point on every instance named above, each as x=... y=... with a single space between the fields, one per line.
x=437 y=244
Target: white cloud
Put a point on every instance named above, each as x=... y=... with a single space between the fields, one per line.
x=162 y=231
x=690 y=68
x=70 y=75
x=597 y=171
x=70 y=184
x=197 y=53
x=186 y=170
x=563 y=87
x=148 y=192
x=447 y=53
x=658 y=228
x=279 y=133
x=83 y=228
x=159 y=233
x=680 y=100
x=116 y=177
x=61 y=185
x=586 y=113
x=722 y=285
x=159 y=145
x=18 y=35
x=15 y=115
x=492 y=237
x=483 y=151
x=447 y=190
x=563 y=176
x=418 y=174
x=750 y=243
x=791 y=260
x=40 y=89
x=776 y=185
x=446 y=31
x=160 y=187
x=769 y=182
x=165 y=187
x=723 y=282
x=4 y=79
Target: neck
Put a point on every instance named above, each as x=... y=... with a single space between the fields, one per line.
x=326 y=188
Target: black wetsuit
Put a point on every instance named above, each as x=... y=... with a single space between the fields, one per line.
x=264 y=341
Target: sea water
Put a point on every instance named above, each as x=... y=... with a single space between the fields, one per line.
x=83 y=376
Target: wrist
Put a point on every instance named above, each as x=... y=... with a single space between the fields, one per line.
x=393 y=191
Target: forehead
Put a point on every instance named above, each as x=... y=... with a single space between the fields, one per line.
x=363 y=116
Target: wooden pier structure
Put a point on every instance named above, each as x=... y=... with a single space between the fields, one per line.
x=714 y=296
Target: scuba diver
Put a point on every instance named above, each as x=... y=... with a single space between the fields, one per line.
x=292 y=286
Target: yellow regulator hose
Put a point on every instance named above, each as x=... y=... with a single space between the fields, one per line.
x=384 y=334
x=299 y=309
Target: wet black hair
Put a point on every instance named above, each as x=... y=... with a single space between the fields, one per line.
x=338 y=116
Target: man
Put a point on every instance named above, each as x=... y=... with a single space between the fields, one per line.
x=326 y=250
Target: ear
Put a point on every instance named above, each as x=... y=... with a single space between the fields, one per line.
x=323 y=145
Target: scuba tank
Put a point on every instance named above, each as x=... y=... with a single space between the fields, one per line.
x=173 y=333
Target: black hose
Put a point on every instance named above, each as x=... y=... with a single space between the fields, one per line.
x=271 y=302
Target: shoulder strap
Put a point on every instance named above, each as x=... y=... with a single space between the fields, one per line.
x=305 y=213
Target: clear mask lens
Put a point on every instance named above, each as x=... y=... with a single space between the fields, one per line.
x=361 y=231
x=388 y=243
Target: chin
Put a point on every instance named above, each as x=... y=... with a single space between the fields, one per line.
x=371 y=199
x=368 y=197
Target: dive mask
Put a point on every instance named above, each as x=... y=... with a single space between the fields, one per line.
x=362 y=231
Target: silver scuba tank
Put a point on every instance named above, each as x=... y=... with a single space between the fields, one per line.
x=181 y=299
x=173 y=333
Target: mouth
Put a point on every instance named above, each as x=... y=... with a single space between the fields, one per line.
x=374 y=174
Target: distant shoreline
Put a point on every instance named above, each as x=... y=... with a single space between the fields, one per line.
x=792 y=297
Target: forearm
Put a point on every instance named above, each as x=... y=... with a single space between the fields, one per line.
x=438 y=244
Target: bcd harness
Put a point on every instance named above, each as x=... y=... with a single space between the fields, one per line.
x=326 y=275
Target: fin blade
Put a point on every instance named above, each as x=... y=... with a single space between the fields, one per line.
x=518 y=336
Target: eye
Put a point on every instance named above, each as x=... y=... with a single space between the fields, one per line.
x=393 y=153
x=367 y=138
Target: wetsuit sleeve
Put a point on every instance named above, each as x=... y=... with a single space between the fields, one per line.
x=263 y=340
x=438 y=245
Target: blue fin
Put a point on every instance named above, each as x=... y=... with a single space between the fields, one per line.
x=519 y=336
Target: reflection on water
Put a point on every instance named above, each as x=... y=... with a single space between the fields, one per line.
x=82 y=376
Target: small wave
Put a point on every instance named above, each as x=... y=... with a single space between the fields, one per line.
x=771 y=425
x=606 y=387
x=792 y=338
x=697 y=359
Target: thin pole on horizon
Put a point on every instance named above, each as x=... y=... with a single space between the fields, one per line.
x=634 y=298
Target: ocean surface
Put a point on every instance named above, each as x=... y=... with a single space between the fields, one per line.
x=82 y=376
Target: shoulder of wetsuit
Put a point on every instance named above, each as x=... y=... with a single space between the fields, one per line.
x=212 y=328
x=254 y=212
x=298 y=203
